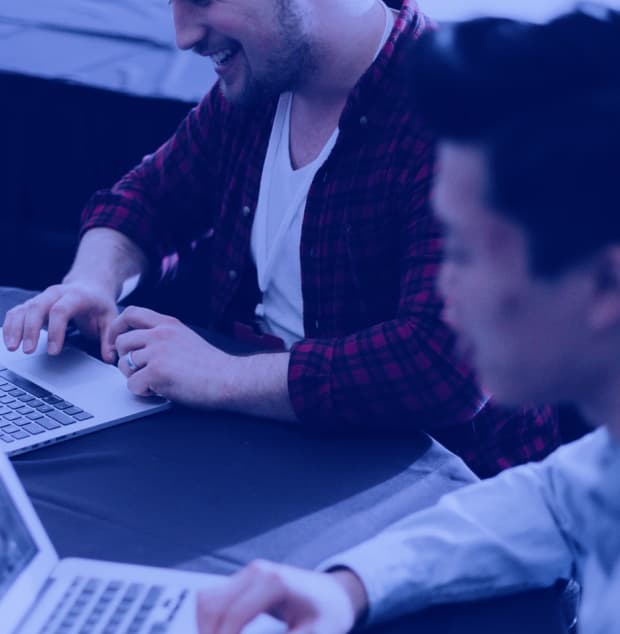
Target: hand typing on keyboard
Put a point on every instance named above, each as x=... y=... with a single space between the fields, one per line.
x=89 y=307
x=87 y=296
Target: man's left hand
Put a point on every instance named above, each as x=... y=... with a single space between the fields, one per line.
x=160 y=355
x=169 y=359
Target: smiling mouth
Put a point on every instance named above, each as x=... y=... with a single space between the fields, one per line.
x=223 y=56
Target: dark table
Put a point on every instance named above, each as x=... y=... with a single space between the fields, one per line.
x=210 y=491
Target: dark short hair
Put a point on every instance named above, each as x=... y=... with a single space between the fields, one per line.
x=543 y=103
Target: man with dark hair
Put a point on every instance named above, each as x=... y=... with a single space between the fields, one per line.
x=307 y=172
x=529 y=122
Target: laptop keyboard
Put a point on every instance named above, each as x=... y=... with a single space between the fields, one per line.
x=95 y=606
x=27 y=409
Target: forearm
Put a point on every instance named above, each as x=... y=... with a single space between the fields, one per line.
x=106 y=258
x=258 y=385
x=396 y=373
x=496 y=537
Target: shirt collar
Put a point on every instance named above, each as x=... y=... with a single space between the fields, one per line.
x=366 y=99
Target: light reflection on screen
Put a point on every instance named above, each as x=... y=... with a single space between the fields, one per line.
x=17 y=548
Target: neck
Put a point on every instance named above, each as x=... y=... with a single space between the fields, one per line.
x=349 y=33
x=603 y=407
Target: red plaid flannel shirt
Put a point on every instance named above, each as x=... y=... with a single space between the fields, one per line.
x=375 y=350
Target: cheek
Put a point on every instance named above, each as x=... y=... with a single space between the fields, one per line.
x=459 y=290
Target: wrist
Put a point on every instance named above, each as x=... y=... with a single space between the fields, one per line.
x=93 y=281
x=229 y=390
x=354 y=590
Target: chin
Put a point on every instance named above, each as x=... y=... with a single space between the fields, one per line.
x=505 y=390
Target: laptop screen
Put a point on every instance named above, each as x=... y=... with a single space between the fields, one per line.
x=17 y=547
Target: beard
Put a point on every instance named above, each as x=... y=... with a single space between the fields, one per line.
x=292 y=63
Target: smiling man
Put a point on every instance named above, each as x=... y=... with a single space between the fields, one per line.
x=307 y=172
x=527 y=192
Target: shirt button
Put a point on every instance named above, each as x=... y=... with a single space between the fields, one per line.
x=232 y=274
x=363 y=121
x=316 y=324
x=246 y=211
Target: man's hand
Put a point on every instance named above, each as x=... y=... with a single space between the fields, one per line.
x=92 y=308
x=170 y=359
x=308 y=602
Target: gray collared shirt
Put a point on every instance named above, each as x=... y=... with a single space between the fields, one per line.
x=524 y=529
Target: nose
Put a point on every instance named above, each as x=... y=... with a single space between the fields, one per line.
x=188 y=26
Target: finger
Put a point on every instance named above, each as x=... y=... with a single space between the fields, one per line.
x=13 y=327
x=140 y=382
x=138 y=358
x=132 y=340
x=134 y=317
x=60 y=313
x=258 y=598
x=214 y=604
x=35 y=316
x=104 y=323
x=210 y=607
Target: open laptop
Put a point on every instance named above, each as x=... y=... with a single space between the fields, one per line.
x=44 y=399
x=41 y=595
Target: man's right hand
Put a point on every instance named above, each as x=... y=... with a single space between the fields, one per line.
x=307 y=602
x=91 y=307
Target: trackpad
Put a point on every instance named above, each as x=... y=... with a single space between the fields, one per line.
x=69 y=369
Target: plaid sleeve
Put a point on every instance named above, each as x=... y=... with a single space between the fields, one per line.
x=163 y=203
x=401 y=371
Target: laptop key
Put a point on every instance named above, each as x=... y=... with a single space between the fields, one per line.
x=63 y=405
x=24 y=410
x=83 y=416
x=72 y=411
x=14 y=404
x=20 y=434
x=27 y=398
x=34 y=415
x=43 y=408
x=61 y=418
x=9 y=429
x=6 y=438
x=20 y=381
x=33 y=428
x=48 y=423
x=21 y=421
x=52 y=399
x=11 y=416
x=16 y=392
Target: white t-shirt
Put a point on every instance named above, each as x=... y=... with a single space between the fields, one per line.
x=276 y=232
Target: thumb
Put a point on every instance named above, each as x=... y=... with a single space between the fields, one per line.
x=108 y=349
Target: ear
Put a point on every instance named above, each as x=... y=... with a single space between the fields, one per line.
x=605 y=310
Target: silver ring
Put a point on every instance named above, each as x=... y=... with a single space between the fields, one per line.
x=131 y=364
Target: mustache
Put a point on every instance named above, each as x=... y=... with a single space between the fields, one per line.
x=201 y=49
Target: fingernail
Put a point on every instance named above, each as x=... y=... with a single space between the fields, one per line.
x=28 y=344
x=11 y=342
x=52 y=347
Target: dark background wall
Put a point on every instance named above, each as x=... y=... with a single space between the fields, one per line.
x=61 y=143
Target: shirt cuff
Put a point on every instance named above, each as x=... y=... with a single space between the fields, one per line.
x=367 y=562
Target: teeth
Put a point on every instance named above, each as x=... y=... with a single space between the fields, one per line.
x=221 y=57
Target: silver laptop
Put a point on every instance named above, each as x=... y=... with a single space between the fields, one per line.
x=41 y=595
x=44 y=399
